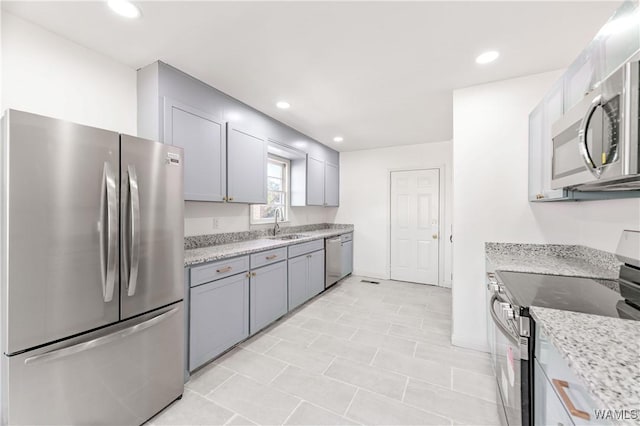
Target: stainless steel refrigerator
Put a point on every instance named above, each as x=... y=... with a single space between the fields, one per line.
x=91 y=274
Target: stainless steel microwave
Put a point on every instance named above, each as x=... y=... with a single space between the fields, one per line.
x=595 y=143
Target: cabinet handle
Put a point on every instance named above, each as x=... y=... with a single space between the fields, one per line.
x=560 y=386
x=539 y=196
x=253 y=274
x=273 y=256
x=248 y=275
x=224 y=198
x=223 y=270
x=230 y=198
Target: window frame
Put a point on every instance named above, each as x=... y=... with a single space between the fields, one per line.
x=287 y=193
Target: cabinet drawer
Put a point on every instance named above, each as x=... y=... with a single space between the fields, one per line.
x=267 y=257
x=304 y=248
x=557 y=370
x=220 y=269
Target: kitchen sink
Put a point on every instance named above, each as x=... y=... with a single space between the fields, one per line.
x=288 y=237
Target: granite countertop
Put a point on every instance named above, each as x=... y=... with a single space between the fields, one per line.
x=603 y=352
x=553 y=259
x=198 y=255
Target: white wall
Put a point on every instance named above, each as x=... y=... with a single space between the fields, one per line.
x=46 y=74
x=199 y=217
x=364 y=200
x=490 y=177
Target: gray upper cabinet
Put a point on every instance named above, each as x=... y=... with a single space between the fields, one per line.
x=202 y=136
x=614 y=44
x=331 y=185
x=194 y=118
x=246 y=166
x=268 y=295
x=315 y=182
x=541 y=148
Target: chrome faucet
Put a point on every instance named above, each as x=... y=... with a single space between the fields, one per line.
x=276 y=227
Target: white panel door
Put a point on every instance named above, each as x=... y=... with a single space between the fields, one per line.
x=415 y=221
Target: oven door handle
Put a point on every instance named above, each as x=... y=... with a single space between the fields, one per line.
x=499 y=323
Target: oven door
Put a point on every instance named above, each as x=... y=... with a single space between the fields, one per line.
x=507 y=363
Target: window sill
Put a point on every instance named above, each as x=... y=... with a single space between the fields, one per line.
x=269 y=222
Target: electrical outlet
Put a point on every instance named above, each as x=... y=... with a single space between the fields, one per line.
x=215 y=224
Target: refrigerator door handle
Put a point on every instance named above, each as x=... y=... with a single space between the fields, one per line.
x=135 y=231
x=108 y=220
x=103 y=340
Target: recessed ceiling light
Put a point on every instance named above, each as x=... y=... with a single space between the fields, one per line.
x=283 y=105
x=338 y=139
x=487 y=57
x=124 y=8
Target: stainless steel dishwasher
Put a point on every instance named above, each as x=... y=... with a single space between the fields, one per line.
x=339 y=252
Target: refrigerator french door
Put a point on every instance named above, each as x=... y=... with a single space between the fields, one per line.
x=92 y=264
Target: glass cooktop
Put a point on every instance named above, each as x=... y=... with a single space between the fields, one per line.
x=566 y=293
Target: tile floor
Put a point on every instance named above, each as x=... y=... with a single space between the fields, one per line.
x=358 y=354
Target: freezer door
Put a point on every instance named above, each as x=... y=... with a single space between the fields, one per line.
x=120 y=375
x=152 y=215
x=59 y=230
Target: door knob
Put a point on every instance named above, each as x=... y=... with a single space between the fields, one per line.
x=434 y=236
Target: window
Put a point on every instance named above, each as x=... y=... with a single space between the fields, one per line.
x=277 y=193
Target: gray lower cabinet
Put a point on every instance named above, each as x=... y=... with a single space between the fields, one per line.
x=298 y=276
x=202 y=136
x=306 y=277
x=268 y=295
x=246 y=166
x=316 y=273
x=219 y=317
x=548 y=408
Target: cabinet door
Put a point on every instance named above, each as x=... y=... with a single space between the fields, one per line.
x=315 y=182
x=535 y=152
x=298 y=274
x=246 y=167
x=619 y=39
x=202 y=136
x=581 y=77
x=548 y=409
x=268 y=295
x=219 y=318
x=331 y=185
x=553 y=111
x=316 y=273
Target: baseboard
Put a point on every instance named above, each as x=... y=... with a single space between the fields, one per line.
x=474 y=343
x=371 y=274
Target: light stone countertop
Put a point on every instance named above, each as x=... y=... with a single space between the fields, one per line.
x=603 y=352
x=553 y=259
x=224 y=251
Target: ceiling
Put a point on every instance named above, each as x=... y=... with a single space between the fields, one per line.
x=377 y=73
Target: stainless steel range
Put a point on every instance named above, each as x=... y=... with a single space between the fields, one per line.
x=511 y=329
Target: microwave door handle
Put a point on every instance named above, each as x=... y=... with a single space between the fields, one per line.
x=499 y=324
x=582 y=134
